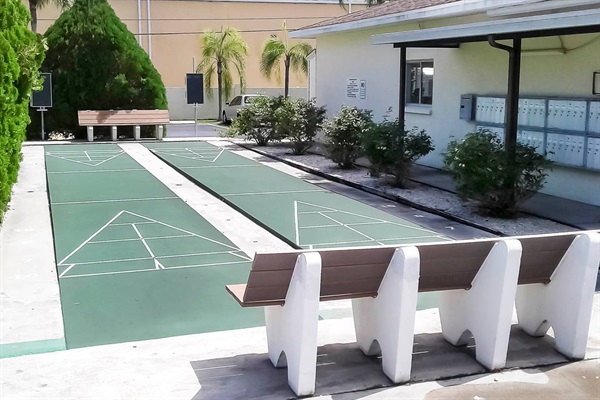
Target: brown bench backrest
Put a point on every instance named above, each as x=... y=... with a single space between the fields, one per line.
x=448 y=266
x=541 y=256
x=123 y=117
x=354 y=273
x=347 y=273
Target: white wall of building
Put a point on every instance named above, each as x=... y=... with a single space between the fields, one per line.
x=475 y=68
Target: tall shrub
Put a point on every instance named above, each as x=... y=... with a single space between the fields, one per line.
x=392 y=149
x=21 y=54
x=97 y=64
x=257 y=121
x=343 y=134
x=299 y=121
x=499 y=180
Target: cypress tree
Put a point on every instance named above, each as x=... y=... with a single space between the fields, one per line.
x=97 y=64
x=21 y=54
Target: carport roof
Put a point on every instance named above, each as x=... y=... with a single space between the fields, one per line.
x=575 y=22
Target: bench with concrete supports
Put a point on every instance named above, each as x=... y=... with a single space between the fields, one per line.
x=115 y=118
x=552 y=278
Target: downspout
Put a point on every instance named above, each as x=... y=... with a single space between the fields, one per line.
x=511 y=116
x=139 y=10
x=402 y=94
x=149 y=31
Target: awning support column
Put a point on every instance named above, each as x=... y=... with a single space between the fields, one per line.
x=402 y=94
x=512 y=96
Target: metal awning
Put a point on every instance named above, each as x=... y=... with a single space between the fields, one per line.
x=567 y=23
x=514 y=29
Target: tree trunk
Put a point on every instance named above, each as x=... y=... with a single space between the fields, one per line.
x=33 y=12
x=220 y=89
x=287 y=76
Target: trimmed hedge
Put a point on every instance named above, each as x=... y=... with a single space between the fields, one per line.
x=21 y=54
x=97 y=64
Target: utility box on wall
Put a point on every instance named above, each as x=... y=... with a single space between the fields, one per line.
x=467 y=107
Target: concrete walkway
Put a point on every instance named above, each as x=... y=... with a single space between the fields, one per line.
x=233 y=364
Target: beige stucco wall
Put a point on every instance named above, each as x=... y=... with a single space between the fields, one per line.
x=177 y=28
x=473 y=68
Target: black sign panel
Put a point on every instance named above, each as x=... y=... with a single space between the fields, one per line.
x=43 y=98
x=195 y=88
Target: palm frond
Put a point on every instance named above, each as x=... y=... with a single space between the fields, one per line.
x=209 y=71
x=298 y=54
x=273 y=52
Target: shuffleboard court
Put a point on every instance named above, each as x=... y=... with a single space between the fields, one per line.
x=134 y=261
x=303 y=214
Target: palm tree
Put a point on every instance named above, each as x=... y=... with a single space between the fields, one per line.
x=35 y=4
x=222 y=51
x=294 y=57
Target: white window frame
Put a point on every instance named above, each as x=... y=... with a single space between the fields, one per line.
x=418 y=107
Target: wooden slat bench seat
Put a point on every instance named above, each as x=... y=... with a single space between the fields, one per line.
x=477 y=281
x=114 y=118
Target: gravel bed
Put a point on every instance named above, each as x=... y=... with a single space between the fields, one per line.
x=420 y=194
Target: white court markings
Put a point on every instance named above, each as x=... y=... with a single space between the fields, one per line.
x=131 y=242
x=91 y=158
x=313 y=221
x=207 y=155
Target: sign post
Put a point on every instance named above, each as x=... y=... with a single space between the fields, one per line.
x=42 y=100
x=195 y=94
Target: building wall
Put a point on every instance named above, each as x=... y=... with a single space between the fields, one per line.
x=475 y=68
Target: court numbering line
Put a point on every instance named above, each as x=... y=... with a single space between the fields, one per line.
x=280 y=192
x=113 y=200
x=96 y=171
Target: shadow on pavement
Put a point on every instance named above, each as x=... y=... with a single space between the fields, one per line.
x=343 y=368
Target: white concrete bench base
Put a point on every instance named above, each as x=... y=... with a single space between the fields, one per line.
x=292 y=328
x=385 y=324
x=566 y=302
x=485 y=310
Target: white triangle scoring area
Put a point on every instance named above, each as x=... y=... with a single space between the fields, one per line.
x=335 y=219
x=91 y=158
x=125 y=245
x=205 y=155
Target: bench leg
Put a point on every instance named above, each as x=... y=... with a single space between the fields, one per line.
x=566 y=302
x=113 y=133
x=292 y=328
x=485 y=311
x=90 y=133
x=136 y=132
x=159 y=132
x=385 y=324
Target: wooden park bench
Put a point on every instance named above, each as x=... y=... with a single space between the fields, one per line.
x=477 y=279
x=114 y=118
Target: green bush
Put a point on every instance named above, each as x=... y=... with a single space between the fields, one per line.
x=499 y=180
x=257 y=120
x=299 y=121
x=343 y=135
x=392 y=149
x=21 y=54
x=97 y=64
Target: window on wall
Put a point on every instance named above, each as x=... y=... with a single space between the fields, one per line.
x=419 y=82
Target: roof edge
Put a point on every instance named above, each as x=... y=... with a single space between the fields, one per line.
x=463 y=32
x=455 y=9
